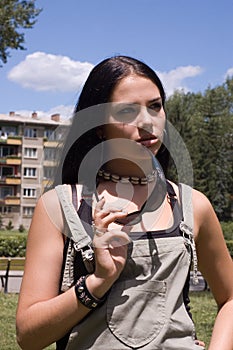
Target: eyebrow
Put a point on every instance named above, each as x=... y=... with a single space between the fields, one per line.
x=156 y=99
x=136 y=103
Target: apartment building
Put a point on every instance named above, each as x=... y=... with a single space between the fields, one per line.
x=27 y=146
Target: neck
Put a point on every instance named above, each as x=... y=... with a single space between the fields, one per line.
x=126 y=175
x=123 y=167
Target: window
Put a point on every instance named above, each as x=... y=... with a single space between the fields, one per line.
x=49 y=134
x=28 y=211
x=30 y=132
x=30 y=152
x=7 y=151
x=54 y=135
x=5 y=210
x=10 y=130
x=6 y=191
x=6 y=170
x=49 y=153
x=29 y=172
x=29 y=192
x=48 y=172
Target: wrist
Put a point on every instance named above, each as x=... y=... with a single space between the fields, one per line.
x=84 y=295
x=98 y=286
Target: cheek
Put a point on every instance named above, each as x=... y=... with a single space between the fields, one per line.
x=113 y=131
x=119 y=130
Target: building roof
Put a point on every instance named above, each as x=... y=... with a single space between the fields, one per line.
x=34 y=119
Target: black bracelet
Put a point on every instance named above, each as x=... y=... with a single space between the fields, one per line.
x=84 y=296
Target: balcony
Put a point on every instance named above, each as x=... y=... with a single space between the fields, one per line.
x=46 y=183
x=50 y=143
x=10 y=180
x=13 y=180
x=13 y=160
x=14 y=140
x=11 y=140
x=11 y=200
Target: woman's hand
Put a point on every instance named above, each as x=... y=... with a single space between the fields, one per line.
x=110 y=245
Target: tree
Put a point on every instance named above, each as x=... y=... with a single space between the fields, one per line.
x=205 y=122
x=15 y=15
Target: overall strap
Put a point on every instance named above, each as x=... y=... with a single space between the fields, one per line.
x=186 y=224
x=77 y=231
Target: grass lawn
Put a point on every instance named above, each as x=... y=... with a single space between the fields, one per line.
x=204 y=310
x=202 y=303
x=8 y=303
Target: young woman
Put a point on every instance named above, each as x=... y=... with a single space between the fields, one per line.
x=109 y=252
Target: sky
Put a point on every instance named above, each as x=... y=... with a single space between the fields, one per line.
x=187 y=42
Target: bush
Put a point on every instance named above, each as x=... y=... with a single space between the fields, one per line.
x=227 y=228
x=9 y=226
x=230 y=247
x=13 y=246
x=21 y=228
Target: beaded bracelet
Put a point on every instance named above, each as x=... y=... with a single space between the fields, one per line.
x=84 y=296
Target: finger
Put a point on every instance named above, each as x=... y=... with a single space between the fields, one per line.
x=199 y=342
x=111 y=239
x=99 y=205
x=105 y=220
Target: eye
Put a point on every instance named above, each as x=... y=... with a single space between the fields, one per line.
x=126 y=113
x=126 y=110
x=156 y=106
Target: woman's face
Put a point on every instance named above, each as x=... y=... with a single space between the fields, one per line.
x=136 y=113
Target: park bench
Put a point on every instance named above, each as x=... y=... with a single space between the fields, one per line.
x=10 y=267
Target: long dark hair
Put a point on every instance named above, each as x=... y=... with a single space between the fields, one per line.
x=97 y=90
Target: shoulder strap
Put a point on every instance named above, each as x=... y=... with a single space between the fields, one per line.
x=76 y=229
x=186 y=224
x=186 y=205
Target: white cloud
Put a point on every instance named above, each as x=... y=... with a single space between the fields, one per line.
x=229 y=73
x=46 y=72
x=173 y=80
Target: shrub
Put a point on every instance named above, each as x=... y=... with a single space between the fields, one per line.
x=21 y=228
x=13 y=246
x=230 y=247
x=9 y=226
x=227 y=228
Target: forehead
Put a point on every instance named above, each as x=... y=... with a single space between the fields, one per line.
x=135 y=88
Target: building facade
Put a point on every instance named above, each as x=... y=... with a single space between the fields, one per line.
x=27 y=146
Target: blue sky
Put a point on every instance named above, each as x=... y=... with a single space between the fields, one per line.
x=187 y=42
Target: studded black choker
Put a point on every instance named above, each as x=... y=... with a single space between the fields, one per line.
x=106 y=175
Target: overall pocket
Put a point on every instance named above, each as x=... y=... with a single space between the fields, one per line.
x=136 y=311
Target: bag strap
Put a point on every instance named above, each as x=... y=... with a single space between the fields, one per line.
x=76 y=229
x=187 y=224
x=186 y=205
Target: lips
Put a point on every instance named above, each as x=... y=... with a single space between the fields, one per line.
x=148 y=141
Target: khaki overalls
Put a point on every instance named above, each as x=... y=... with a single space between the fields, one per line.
x=144 y=308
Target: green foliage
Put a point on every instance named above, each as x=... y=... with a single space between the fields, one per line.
x=1 y=222
x=13 y=246
x=21 y=228
x=205 y=123
x=14 y=16
x=9 y=226
x=230 y=247
x=227 y=228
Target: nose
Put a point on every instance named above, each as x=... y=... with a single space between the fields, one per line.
x=144 y=120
